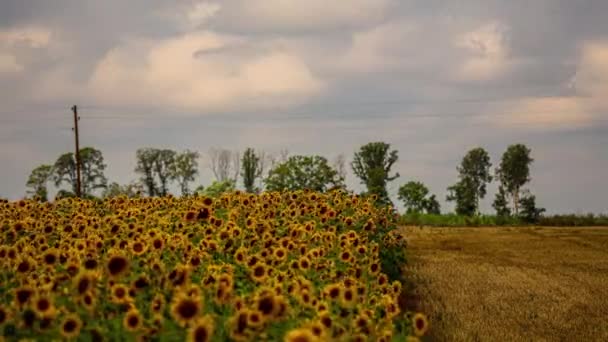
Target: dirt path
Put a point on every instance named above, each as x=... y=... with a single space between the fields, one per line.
x=512 y=284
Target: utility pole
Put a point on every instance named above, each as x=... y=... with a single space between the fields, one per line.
x=75 y=129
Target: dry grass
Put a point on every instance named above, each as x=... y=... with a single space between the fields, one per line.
x=512 y=284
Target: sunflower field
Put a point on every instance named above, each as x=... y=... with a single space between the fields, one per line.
x=294 y=266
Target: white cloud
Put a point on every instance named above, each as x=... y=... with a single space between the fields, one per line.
x=201 y=12
x=487 y=52
x=34 y=37
x=9 y=64
x=201 y=71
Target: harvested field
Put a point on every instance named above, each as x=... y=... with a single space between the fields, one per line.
x=511 y=284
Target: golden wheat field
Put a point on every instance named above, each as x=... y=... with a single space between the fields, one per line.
x=511 y=284
x=295 y=266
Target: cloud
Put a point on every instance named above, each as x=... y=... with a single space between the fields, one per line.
x=14 y=40
x=202 y=71
x=8 y=64
x=581 y=109
x=33 y=37
x=299 y=16
x=488 y=54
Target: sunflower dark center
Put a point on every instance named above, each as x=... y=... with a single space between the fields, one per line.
x=187 y=309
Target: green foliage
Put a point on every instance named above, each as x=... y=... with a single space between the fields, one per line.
x=37 y=182
x=501 y=204
x=163 y=164
x=529 y=212
x=156 y=168
x=455 y=220
x=252 y=169
x=217 y=188
x=414 y=197
x=473 y=174
x=514 y=171
x=568 y=220
x=145 y=167
x=130 y=190
x=92 y=169
x=463 y=194
x=372 y=164
x=303 y=172
x=184 y=169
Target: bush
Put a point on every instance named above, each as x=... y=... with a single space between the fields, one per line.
x=453 y=220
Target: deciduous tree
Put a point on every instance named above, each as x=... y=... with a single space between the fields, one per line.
x=372 y=164
x=303 y=172
x=37 y=182
x=514 y=171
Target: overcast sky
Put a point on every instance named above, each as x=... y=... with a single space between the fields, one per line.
x=432 y=78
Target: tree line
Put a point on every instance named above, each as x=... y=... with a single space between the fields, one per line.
x=372 y=164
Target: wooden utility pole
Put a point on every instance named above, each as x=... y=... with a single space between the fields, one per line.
x=75 y=129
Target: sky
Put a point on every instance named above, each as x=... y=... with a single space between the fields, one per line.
x=432 y=78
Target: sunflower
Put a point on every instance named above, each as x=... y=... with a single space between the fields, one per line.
x=70 y=326
x=117 y=265
x=266 y=305
x=90 y=264
x=300 y=335
x=50 y=257
x=158 y=243
x=138 y=247
x=333 y=291
x=158 y=304
x=84 y=282
x=201 y=330
x=22 y=295
x=420 y=323
x=185 y=309
x=25 y=265
x=43 y=306
x=304 y=263
x=4 y=315
x=88 y=301
x=120 y=294
x=348 y=297
x=374 y=268
x=132 y=320
x=254 y=319
x=259 y=273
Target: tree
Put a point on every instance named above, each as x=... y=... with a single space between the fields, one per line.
x=217 y=188
x=184 y=169
x=432 y=206
x=92 y=171
x=303 y=172
x=253 y=167
x=37 y=182
x=529 y=212
x=156 y=167
x=501 y=204
x=414 y=197
x=163 y=164
x=462 y=193
x=514 y=171
x=145 y=167
x=372 y=164
x=475 y=169
x=130 y=190
x=64 y=171
x=340 y=165
x=225 y=164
